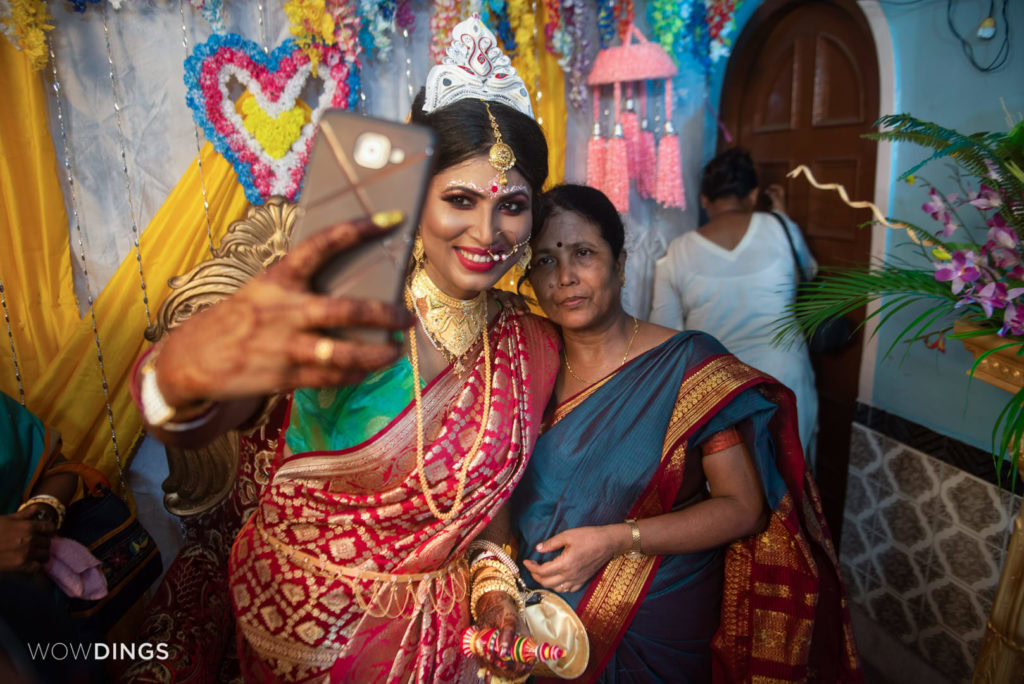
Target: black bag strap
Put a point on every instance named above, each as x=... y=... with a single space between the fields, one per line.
x=792 y=247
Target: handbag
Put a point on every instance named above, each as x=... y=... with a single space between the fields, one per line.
x=129 y=558
x=834 y=333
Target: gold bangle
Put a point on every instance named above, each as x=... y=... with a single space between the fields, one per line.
x=481 y=588
x=47 y=500
x=480 y=566
x=636 y=551
x=495 y=551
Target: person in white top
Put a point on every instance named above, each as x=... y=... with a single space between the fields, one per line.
x=734 y=276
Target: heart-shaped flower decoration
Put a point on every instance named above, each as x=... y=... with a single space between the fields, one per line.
x=265 y=143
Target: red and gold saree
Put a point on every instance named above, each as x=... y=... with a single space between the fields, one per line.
x=343 y=573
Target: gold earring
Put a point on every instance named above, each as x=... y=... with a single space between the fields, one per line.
x=524 y=261
x=622 y=279
x=418 y=255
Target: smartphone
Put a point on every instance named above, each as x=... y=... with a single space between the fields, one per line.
x=358 y=166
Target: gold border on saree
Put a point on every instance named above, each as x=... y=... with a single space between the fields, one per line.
x=449 y=594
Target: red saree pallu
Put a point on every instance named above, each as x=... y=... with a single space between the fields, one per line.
x=343 y=574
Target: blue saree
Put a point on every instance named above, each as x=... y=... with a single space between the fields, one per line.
x=629 y=446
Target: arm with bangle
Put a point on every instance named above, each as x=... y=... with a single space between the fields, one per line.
x=735 y=509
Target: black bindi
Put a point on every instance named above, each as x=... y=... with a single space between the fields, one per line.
x=559 y=244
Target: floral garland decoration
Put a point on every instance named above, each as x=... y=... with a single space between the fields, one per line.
x=605 y=22
x=25 y=23
x=443 y=19
x=347 y=25
x=312 y=25
x=494 y=15
x=554 y=15
x=81 y=5
x=570 y=41
x=274 y=83
x=211 y=11
x=666 y=22
x=377 y=27
x=524 y=28
x=721 y=21
x=404 y=18
x=627 y=15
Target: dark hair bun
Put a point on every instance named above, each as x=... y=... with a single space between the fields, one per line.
x=464 y=131
x=730 y=174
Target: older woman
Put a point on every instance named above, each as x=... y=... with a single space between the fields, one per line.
x=667 y=500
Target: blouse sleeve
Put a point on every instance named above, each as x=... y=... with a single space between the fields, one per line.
x=667 y=305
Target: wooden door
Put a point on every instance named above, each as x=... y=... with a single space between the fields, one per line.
x=801 y=88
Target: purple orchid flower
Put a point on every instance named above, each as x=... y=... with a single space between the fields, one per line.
x=985 y=198
x=960 y=270
x=937 y=208
x=995 y=296
x=996 y=221
x=1002 y=247
x=1013 y=320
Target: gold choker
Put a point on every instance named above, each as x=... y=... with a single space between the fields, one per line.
x=452 y=325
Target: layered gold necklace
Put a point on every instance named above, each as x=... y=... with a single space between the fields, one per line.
x=452 y=325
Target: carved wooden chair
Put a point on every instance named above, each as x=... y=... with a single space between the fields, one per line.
x=212 y=490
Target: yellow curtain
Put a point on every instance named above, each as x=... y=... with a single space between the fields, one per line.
x=550 y=111
x=56 y=348
x=35 y=264
x=69 y=395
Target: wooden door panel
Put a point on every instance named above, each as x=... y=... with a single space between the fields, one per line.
x=838 y=98
x=802 y=88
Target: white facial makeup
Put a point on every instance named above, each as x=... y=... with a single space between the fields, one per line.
x=495 y=189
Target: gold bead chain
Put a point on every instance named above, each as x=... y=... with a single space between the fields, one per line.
x=565 y=354
x=460 y=485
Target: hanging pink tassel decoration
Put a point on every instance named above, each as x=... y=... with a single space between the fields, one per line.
x=645 y=153
x=669 y=185
x=616 y=176
x=596 y=148
x=631 y=131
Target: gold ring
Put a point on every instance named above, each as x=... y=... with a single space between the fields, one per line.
x=323 y=352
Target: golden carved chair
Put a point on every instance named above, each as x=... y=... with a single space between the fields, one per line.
x=199 y=479
x=213 y=490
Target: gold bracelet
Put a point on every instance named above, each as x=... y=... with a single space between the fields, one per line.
x=47 y=500
x=637 y=551
x=482 y=588
x=497 y=552
x=480 y=565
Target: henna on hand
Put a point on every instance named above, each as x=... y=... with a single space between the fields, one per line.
x=262 y=339
x=498 y=610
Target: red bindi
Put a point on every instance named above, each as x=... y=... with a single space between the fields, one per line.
x=494 y=188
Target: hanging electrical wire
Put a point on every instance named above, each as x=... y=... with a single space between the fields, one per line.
x=1002 y=54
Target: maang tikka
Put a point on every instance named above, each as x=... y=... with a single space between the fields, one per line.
x=501 y=157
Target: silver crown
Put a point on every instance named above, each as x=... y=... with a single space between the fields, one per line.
x=475 y=67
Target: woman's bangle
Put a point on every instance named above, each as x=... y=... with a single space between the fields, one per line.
x=636 y=551
x=492 y=550
x=480 y=564
x=481 y=588
x=47 y=500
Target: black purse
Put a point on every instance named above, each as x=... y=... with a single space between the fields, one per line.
x=102 y=522
x=835 y=333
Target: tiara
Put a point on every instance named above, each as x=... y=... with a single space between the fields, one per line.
x=475 y=67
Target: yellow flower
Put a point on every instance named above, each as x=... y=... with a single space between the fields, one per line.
x=275 y=135
x=910 y=179
x=310 y=23
x=31 y=21
x=941 y=254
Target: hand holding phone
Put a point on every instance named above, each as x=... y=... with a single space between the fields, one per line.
x=358 y=167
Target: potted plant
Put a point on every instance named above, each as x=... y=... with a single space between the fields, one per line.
x=967 y=285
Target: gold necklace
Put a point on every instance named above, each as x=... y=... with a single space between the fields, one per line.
x=452 y=325
x=460 y=483
x=565 y=355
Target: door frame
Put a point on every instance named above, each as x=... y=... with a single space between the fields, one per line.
x=756 y=30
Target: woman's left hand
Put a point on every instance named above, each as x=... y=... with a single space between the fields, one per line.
x=585 y=551
x=498 y=610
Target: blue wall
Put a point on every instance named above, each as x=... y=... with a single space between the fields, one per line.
x=934 y=81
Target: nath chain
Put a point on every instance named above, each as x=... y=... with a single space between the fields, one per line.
x=58 y=97
x=10 y=336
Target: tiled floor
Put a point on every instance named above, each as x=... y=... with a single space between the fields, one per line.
x=923 y=544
